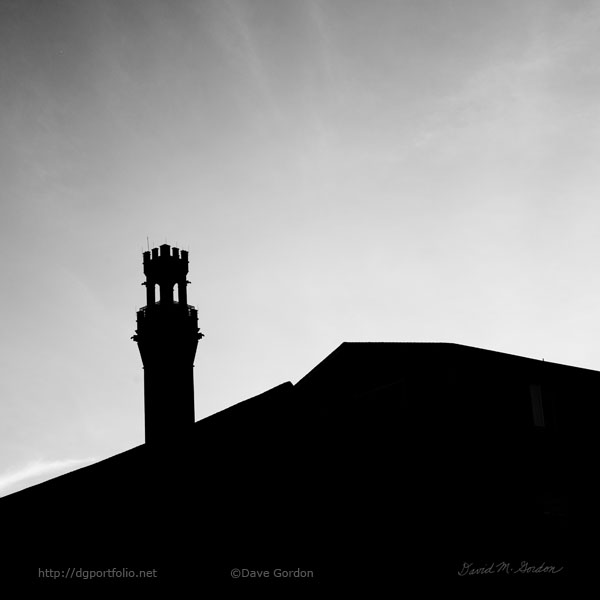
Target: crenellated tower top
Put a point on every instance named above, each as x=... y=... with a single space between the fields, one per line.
x=166 y=269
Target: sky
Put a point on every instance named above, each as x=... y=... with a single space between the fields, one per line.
x=339 y=170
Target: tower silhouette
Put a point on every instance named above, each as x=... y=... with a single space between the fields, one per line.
x=167 y=336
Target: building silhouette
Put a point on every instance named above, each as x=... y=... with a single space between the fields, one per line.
x=167 y=336
x=386 y=462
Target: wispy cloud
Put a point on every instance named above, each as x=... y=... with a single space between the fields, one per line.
x=318 y=18
x=15 y=479
x=241 y=44
x=324 y=52
x=528 y=95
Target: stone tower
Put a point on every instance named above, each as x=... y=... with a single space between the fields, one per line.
x=167 y=336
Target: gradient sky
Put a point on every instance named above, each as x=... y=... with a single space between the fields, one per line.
x=339 y=170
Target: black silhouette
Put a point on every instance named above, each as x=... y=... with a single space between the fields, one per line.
x=387 y=462
x=167 y=335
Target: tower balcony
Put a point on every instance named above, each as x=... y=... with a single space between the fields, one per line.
x=173 y=305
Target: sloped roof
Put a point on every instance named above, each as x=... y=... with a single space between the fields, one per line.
x=357 y=365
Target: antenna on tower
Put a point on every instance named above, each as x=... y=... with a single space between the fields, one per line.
x=148 y=242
